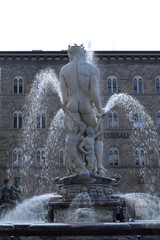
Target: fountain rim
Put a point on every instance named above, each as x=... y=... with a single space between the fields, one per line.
x=81 y=229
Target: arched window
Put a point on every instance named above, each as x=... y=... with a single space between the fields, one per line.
x=139 y=156
x=137 y=84
x=111 y=84
x=158 y=119
x=157 y=84
x=17 y=119
x=61 y=158
x=113 y=119
x=41 y=120
x=40 y=157
x=138 y=121
x=17 y=157
x=18 y=85
x=113 y=156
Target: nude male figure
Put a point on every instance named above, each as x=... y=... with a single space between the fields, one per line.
x=79 y=85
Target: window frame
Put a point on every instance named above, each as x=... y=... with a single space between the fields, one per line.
x=138 y=160
x=136 y=84
x=41 y=120
x=138 y=121
x=18 y=85
x=114 y=161
x=17 y=119
x=111 y=123
x=19 y=157
x=112 y=81
x=39 y=163
x=157 y=89
x=158 y=119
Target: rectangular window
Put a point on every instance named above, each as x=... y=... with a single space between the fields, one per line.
x=114 y=86
x=20 y=121
x=109 y=87
x=43 y=120
x=157 y=85
x=135 y=86
x=140 y=86
x=158 y=119
x=38 y=120
x=15 y=86
x=20 y=85
x=15 y=121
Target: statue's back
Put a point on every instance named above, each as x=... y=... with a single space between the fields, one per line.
x=84 y=73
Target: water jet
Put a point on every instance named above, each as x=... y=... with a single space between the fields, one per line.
x=87 y=194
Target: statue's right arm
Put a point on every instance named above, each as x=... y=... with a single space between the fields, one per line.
x=94 y=91
x=98 y=123
x=66 y=125
x=81 y=145
x=63 y=89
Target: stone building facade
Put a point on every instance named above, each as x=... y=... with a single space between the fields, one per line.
x=30 y=110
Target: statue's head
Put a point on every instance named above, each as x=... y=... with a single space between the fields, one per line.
x=90 y=131
x=76 y=51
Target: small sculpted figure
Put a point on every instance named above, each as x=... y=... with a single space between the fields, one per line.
x=87 y=146
x=6 y=191
x=88 y=149
x=79 y=85
x=10 y=193
x=74 y=134
x=16 y=190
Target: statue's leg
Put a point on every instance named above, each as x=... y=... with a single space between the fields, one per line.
x=79 y=163
x=76 y=160
x=76 y=117
x=89 y=120
x=68 y=162
x=99 y=156
x=91 y=162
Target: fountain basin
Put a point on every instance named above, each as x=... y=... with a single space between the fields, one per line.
x=111 y=210
x=150 y=228
x=87 y=196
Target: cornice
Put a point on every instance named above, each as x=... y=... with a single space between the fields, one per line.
x=33 y=55
x=62 y=55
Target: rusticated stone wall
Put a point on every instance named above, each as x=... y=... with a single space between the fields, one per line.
x=123 y=65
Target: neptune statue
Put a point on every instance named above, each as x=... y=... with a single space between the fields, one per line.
x=83 y=113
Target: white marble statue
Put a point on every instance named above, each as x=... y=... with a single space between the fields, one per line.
x=80 y=93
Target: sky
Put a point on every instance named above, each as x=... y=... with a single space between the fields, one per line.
x=52 y=25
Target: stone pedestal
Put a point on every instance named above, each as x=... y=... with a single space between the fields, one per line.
x=87 y=198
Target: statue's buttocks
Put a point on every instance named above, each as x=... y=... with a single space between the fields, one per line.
x=80 y=79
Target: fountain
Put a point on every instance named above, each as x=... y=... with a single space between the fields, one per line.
x=84 y=145
x=88 y=204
